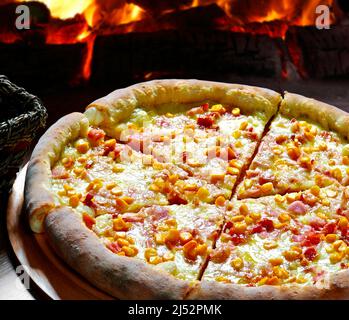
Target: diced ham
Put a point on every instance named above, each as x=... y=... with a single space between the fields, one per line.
x=132 y=217
x=297 y=207
x=158 y=213
x=60 y=173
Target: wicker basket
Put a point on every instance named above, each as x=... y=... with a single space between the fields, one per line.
x=22 y=116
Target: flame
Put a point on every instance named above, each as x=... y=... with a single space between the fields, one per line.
x=65 y=9
x=76 y=21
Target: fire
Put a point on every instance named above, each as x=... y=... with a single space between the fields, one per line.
x=75 y=21
x=64 y=9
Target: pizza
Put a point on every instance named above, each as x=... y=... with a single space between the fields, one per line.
x=188 y=189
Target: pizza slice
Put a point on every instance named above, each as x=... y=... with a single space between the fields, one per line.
x=297 y=238
x=297 y=154
x=209 y=141
x=97 y=175
x=176 y=239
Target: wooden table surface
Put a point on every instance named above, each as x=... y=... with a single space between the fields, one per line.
x=333 y=92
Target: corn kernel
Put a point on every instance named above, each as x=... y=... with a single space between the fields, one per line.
x=155 y=260
x=233 y=171
x=330 y=238
x=343 y=222
x=74 y=201
x=284 y=217
x=130 y=251
x=218 y=108
x=335 y=257
x=279 y=198
x=120 y=225
x=345 y=160
x=172 y=236
x=235 y=112
x=111 y=143
x=237 y=134
x=82 y=146
x=293 y=152
x=281 y=273
x=237 y=264
x=270 y=245
x=240 y=227
x=345 y=150
x=121 y=204
x=122 y=242
x=249 y=220
x=191 y=187
x=276 y=261
x=189 y=250
x=217 y=177
x=256 y=216
x=159 y=238
x=337 y=174
x=168 y=256
x=291 y=255
x=185 y=237
x=203 y=193
x=244 y=209
x=267 y=187
x=201 y=249
x=238 y=218
x=248 y=183
x=220 y=201
x=116 y=191
x=243 y=125
x=150 y=252
x=117 y=168
x=315 y=190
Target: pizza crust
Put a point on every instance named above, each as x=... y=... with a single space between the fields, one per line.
x=330 y=117
x=122 y=277
x=108 y=111
x=39 y=200
x=207 y=290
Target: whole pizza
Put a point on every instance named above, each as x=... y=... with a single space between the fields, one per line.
x=187 y=189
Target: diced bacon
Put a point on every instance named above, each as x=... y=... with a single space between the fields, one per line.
x=297 y=207
x=267 y=224
x=175 y=197
x=89 y=221
x=60 y=173
x=311 y=239
x=238 y=239
x=89 y=164
x=317 y=223
x=114 y=247
x=88 y=200
x=329 y=228
x=310 y=253
x=95 y=135
x=206 y=121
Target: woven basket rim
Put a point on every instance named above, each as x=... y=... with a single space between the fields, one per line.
x=35 y=108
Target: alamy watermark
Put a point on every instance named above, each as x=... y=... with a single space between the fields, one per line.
x=322 y=21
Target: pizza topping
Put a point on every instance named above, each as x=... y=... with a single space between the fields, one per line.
x=297 y=207
x=89 y=221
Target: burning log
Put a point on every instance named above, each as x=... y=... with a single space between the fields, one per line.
x=122 y=56
x=320 y=53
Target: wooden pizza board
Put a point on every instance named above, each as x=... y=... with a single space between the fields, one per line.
x=39 y=260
